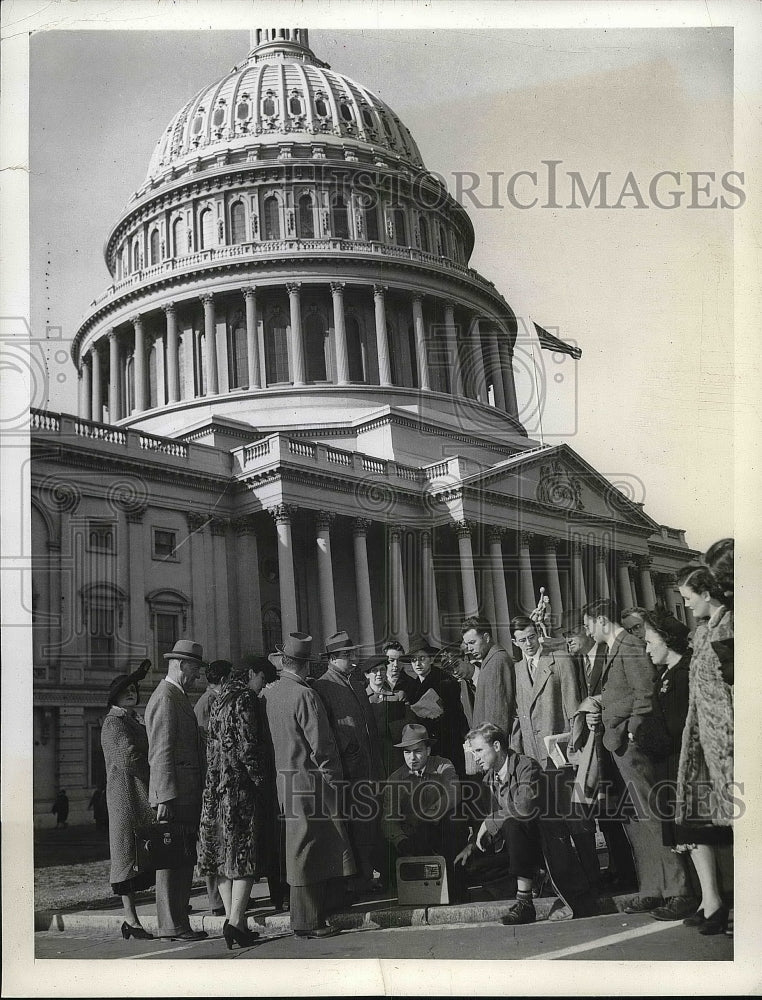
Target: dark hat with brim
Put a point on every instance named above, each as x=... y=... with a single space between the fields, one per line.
x=186 y=649
x=413 y=734
x=419 y=644
x=339 y=642
x=298 y=646
x=124 y=681
x=370 y=665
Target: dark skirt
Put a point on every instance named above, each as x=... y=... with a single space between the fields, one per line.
x=143 y=880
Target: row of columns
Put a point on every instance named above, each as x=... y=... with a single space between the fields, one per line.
x=474 y=382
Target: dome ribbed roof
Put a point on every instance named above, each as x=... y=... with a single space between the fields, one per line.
x=281 y=93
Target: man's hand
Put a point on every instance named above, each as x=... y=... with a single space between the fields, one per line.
x=482 y=837
x=465 y=854
x=593 y=719
x=165 y=812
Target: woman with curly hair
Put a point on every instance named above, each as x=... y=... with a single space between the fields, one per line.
x=234 y=841
x=706 y=756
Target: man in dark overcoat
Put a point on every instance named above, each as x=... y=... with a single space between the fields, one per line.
x=309 y=779
x=342 y=690
x=176 y=760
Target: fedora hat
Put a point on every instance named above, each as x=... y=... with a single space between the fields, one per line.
x=186 y=649
x=413 y=734
x=123 y=681
x=418 y=644
x=298 y=646
x=339 y=642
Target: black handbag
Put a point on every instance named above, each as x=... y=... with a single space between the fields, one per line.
x=164 y=845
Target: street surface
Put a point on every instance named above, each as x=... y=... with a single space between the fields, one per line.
x=617 y=937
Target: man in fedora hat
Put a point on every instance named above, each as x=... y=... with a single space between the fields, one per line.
x=176 y=760
x=420 y=809
x=342 y=690
x=309 y=777
x=445 y=721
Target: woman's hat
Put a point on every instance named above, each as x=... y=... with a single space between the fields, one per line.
x=185 y=649
x=418 y=644
x=413 y=734
x=123 y=681
x=298 y=646
x=339 y=642
x=370 y=665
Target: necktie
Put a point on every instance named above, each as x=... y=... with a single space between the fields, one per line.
x=530 y=664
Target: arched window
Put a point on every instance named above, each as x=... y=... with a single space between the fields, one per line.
x=238 y=223
x=425 y=244
x=370 y=216
x=355 y=351
x=271 y=627
x=339 y=217
x=136 y=256
x=238 y=368
x=154 y=246
x=276 y=348
x=442 y=241
x=199 y=366
x=178 y=238
x=125 y=261
x=153 y=385
x=271 y=218
x=207 y=229
x=305 y=222
x=315 y=347
x=400 y=227
x=130 y=377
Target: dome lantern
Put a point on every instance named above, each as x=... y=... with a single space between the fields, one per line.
x=282 y=43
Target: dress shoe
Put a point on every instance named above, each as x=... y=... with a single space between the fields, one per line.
x=522 y=912
x=218 y=911
x=188 y=935
x=140 y=933
x=715 y=923
x=676 y=908
x=695 y=920
x=643 y=904
x=319 y=932
x=234 y=935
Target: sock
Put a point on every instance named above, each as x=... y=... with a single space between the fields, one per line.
x=524 y=896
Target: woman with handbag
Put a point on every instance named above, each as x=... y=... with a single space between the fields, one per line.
x=235 y=833
x=706 y=757
x=125 y=749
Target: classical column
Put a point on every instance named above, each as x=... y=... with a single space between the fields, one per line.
x=497 y=371
x=476 y=364
x=451 y=334
x=509 y=382
x=210 y=339
x=173 y=354
x=431 y=627
x=113 y=377
x=139 y=363
x=397 y=602
x=601 y=573
x=382 y=337
x=578 y=576
x=527 y=597
x=646 y=583
x=86 y=410
x=252 y=347
x=282 y=516
x=97 y=408
x=554 y=582
x=219 y=527
x=201 y=578
x=499 y=593
x=249 y=596
x=624 y=561
x=323 y=520
x=360 y=528
x=340 y=333
x=467 y=574
x=297 y=345
x=424 y=382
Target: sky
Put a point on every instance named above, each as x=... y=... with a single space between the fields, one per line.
x=646 y=292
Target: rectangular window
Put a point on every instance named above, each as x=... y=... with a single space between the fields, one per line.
x=101 y=630
x=167 y=634
x=100 y=536
x=96 y=765
x=164 y=544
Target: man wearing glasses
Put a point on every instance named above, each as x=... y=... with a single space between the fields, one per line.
x=634 y=621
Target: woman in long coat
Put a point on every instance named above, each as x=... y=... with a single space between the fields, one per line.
x=236 y=811
x=706 y=757
x=125 y=749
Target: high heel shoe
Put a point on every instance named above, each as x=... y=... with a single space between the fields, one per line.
x=242 y=938
x=715 y=923
x=695 y=920
x=140 y=933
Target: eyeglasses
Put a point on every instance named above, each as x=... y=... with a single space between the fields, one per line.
x=527 y=638
x=634 y=629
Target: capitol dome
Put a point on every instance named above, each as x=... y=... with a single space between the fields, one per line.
x=281 y=89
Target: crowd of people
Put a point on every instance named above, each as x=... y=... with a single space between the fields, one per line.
x=500 y=761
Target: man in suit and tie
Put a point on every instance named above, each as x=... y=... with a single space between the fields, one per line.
x=630 y=727
x=590 y=660
x=495 y=692
x=176 y=760
x=547 y=697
